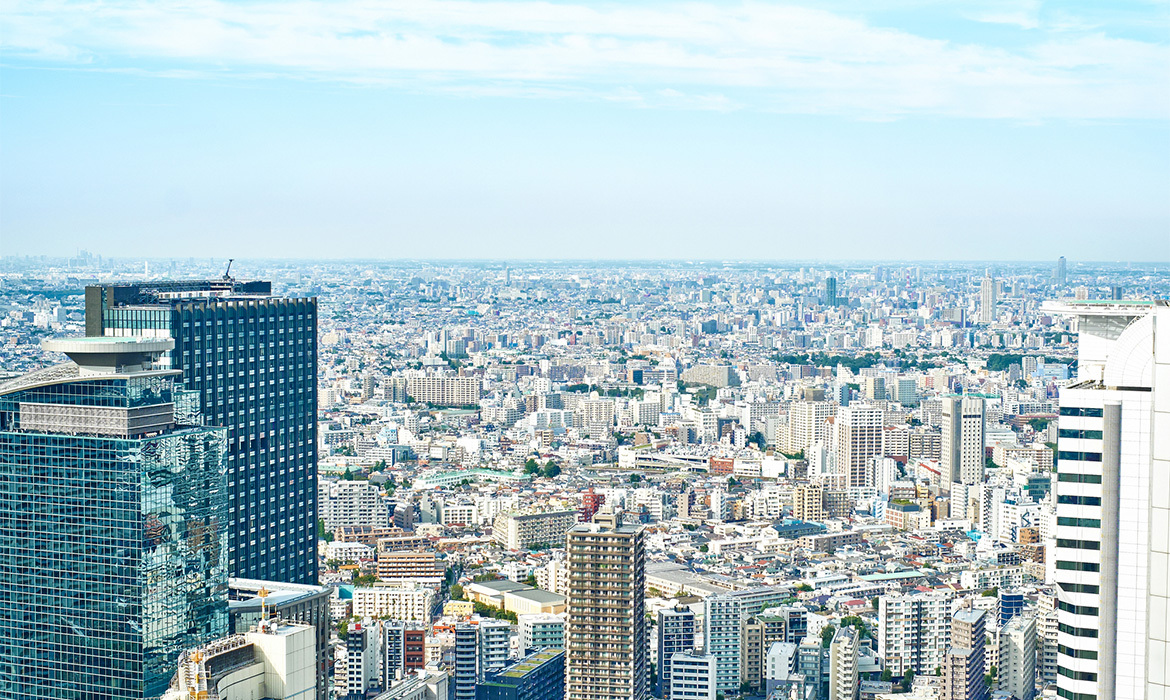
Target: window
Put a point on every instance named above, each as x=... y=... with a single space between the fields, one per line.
x=1078 y=566
x=1077 y=653
x=1080 y=588
x=1078 y=609
x=1080 y=434
x=1079 y=500
x=1077 y=631
x=1079 y=478
x=1082 y=412
x=1078 y=522
x=1078 y=544
x=1064 y=455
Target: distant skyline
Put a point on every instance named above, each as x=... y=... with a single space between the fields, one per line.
x=996 y=130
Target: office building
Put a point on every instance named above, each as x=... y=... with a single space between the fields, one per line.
x=676 y=634
x=874 y=388
x=844 y=675
x=813 y=666
x=528 y=530
x=252 y=359
x=962 y=669
x=538 y=676
x=1017 y=658
x=606 y=640
x=693 y=677
x=1060 y=274
x=780 y=667
x=859 y=437
x=1113 y=503
x=914 y=631
x=963 y=457
x=830 y=291
x=275 y=661
x=721 y=635
x=109 y=485
x=987 y=300
x=417 y=567
x=289 y=602
x=807 y=424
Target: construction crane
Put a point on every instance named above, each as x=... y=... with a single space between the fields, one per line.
x=227 y=273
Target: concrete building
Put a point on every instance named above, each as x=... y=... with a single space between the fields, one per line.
x=538 y=676
x=415 y=567
x=355 y=666
x=963 y=667
x=962 y=445
x=466 y=671
x=290 y=602
x=987 y=300
x=527 y=530
x=676 y=634
x=844 y=672
x=1017 y=658
x=495 y=645
x=914 y=631
x=1112 y=538
x=397 y=601
x=859 y=437
x=541 y=631
x=606 y=639
x=692 y=677
x=277 y=660
x=403 y=650
x=351 y=503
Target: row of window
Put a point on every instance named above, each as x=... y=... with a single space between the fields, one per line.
x=1077 y=653
x=1079 y=500
x=1079 y=456
x=1082 y=412
x=1078 y=566
x=1079 y=610
x=1078 y=544
x=1080 y=434
x=1079 y=478
x=1077 y=631
x=1078 y=522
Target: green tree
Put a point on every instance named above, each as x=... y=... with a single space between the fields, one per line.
x=704 y=548
x=635 y=478
x=803 y=587
x=887 y=675
x=551 y=471
x=348 y=475
x=456 y=592
x=531 y=466
x=827 y=636
x=322 y=533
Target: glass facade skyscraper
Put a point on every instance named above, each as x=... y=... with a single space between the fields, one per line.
x=252 y=359
x=113 y=546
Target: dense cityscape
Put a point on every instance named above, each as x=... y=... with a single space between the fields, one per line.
x=572 y=480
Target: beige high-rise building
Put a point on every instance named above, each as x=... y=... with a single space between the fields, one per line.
x=808 y=502
x=859 y=437
x=605 y=635
x=806 y=424
x=962 y=668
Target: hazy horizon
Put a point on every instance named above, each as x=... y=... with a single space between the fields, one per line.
x=1002 y=130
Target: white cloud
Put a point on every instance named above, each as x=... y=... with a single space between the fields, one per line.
x=702 y=55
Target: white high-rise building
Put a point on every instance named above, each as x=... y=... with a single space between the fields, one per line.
x=692 y=677
x=1017 y=657
x=1112 y=536
x=806 y=424
x=859 y=437
x=843 y=665
x=987 y=300
x=914 y=631
x=962 y=441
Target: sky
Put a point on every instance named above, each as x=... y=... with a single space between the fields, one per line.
x=849 y=129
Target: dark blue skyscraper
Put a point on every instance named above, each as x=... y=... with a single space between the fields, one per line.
x=252 y=358
x=113 y=545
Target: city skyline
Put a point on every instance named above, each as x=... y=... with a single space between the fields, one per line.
x=578 y=130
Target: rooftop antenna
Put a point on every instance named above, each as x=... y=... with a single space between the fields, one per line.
x=227 y=273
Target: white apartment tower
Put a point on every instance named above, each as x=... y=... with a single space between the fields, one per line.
x=1112 y=536
x=987 y=300
x=859 y=437
x=962 y=443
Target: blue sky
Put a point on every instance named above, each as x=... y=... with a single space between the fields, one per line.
x=945 y=130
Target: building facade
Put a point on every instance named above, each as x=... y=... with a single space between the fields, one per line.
x=113 y=524
x=605 y=635
x=252 y=359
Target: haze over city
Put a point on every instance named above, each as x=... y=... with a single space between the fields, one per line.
x=1013 y=130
